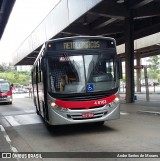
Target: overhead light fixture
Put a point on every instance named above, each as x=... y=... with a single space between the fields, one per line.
x=120 y=1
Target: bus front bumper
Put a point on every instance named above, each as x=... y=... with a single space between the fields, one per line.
x=62 y=116
x=6 y=99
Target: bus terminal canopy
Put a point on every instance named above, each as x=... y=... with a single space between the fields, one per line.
x=94 y=17
x=5 y=11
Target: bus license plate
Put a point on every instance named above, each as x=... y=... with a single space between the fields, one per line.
x=87 y=115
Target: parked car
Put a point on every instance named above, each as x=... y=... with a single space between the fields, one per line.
x=19 y=90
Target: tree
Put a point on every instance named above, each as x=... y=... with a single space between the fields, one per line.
x=16 y=77
x=154 y=61
x=154 y=71
x=1 y=68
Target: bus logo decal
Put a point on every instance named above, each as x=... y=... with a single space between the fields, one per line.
x=100 y=102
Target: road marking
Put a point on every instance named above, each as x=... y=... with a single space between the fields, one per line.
x=8 y=139
x=25 y=119
x=12 y=121
x=124 y=113
x=30 y=111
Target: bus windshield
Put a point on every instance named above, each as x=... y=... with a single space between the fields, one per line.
x=82 y=73
x=4 y=87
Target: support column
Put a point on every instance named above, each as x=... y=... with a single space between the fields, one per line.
x=138 y=81
x=129 y=58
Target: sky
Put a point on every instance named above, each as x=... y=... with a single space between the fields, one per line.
x=25 y=17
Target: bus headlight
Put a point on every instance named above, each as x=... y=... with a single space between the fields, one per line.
x=53 y=104
x=115 y=102
x=58 y=108
x=9 y=98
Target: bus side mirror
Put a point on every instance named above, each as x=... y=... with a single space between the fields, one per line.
x=119 y=64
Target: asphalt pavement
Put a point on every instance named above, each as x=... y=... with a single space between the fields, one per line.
x=140 y=105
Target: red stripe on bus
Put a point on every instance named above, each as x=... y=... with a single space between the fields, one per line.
x=85 y=104
x=9 y=93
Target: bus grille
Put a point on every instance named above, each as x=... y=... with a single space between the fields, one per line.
x=79 y=116
x=83 y=108
x=3 y=97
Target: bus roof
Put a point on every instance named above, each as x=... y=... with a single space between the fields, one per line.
x=3 y=81
x=80 y=37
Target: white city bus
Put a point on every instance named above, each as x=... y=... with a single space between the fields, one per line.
x=76 y=80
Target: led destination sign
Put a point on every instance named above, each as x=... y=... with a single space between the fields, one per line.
x=81 y=44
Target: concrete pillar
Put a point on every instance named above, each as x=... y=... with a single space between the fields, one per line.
x=129 y=57
x=138 y=71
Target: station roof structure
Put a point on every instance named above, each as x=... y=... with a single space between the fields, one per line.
x=5 y=11
x=95 y=17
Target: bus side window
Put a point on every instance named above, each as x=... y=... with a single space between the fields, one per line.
x=39 y=72
x=36 y=75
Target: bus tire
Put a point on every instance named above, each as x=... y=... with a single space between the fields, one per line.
x=38 y=113
x=48 y=126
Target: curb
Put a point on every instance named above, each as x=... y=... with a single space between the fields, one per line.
x=150 y=112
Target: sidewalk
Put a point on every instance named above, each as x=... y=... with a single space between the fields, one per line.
x=152 y=89
x=141 y=105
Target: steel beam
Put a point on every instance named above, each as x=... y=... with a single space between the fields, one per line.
x=138 y=3
x=138 y=79
x=129 y=58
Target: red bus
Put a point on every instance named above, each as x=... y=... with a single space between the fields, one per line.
x=76 y=80
x=5 y=91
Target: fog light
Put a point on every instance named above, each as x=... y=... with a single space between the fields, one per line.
x=61 y=109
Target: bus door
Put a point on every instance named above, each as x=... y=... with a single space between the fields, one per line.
x=35 y=90
x=40 y=90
